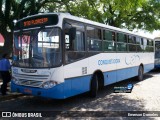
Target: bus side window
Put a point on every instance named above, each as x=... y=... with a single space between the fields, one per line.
x=145 y=45
x=138 y=42
x=75 y=46
x=121 y=42
x=150 y=46
x=67 y=27
x=94 y=39
x=132 y=43
x=109 y=40
x=114 y=36
x=79 y=41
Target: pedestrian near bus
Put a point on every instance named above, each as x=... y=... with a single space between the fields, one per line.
x=5 y=74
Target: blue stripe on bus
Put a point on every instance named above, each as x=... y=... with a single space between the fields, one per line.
x=55 y=92
x=67 y=89
x=157 y=66
x=122 y=74
x=78 y=85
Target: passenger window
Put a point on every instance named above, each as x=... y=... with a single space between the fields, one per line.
x=121 y=37
x=150 y=43
x=109 y=39
x=141 y=41
x=79 y=41
x=145 y=42
x=109 y=46
x=121 y=42
x=132 y=39
x=132 y=47
x=107 y=35
x=138 y=40
x=139 y=46
x=149 y=47
x=75 y=47
x=77 y=44
x=113 y=36
x=121 y=47
x=94 y=39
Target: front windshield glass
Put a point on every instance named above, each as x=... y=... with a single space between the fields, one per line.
x=37 y=48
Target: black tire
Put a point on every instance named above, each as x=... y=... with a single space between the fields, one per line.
x=140 y=73
x=94 y=86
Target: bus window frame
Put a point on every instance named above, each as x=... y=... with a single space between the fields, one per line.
x=65 y=20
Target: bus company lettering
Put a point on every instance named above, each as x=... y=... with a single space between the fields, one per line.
x=110 y=61
x=35 y=22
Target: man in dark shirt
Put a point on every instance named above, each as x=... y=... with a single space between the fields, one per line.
x=4 y=71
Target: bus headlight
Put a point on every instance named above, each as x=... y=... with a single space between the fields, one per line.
x=48 y=84
x=16 y=81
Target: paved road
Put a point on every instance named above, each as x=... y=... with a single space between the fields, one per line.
x=145 y=96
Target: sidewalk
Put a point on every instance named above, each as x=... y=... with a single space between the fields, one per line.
x=9 y=95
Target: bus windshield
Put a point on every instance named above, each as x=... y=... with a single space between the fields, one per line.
x=37 y=48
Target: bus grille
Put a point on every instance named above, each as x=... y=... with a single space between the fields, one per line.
x=32 y=83
x=31 y=80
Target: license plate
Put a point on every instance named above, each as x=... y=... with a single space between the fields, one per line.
x=26 y=90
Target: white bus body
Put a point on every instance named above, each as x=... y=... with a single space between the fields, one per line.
x=82 y=69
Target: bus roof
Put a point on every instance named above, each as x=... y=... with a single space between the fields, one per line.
x=69 y=16
x=157 y=39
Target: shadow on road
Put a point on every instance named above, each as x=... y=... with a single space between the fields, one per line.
x=106 y=100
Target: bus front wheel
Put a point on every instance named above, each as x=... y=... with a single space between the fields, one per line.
x=140 y=73
x=94 y=86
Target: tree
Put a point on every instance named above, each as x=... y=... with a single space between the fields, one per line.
x=83 y=8
x=130 y=14
x=16 y=9
x=139 y=14
x=133 y=14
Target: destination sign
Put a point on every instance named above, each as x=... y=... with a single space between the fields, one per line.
x=37 y=21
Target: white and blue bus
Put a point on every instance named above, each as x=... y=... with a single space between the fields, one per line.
x=157 y=52
x=57 y=55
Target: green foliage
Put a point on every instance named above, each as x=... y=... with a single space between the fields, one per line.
x=130 y=14
x=16 y=9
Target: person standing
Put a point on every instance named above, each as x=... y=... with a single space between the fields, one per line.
x=5 y=74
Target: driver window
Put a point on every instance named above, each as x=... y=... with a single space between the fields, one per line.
x=74 y=47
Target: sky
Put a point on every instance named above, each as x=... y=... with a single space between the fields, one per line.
x=155 y=33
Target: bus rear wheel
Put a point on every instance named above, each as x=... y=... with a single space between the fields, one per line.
x=140 y=73
x=94 y=86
